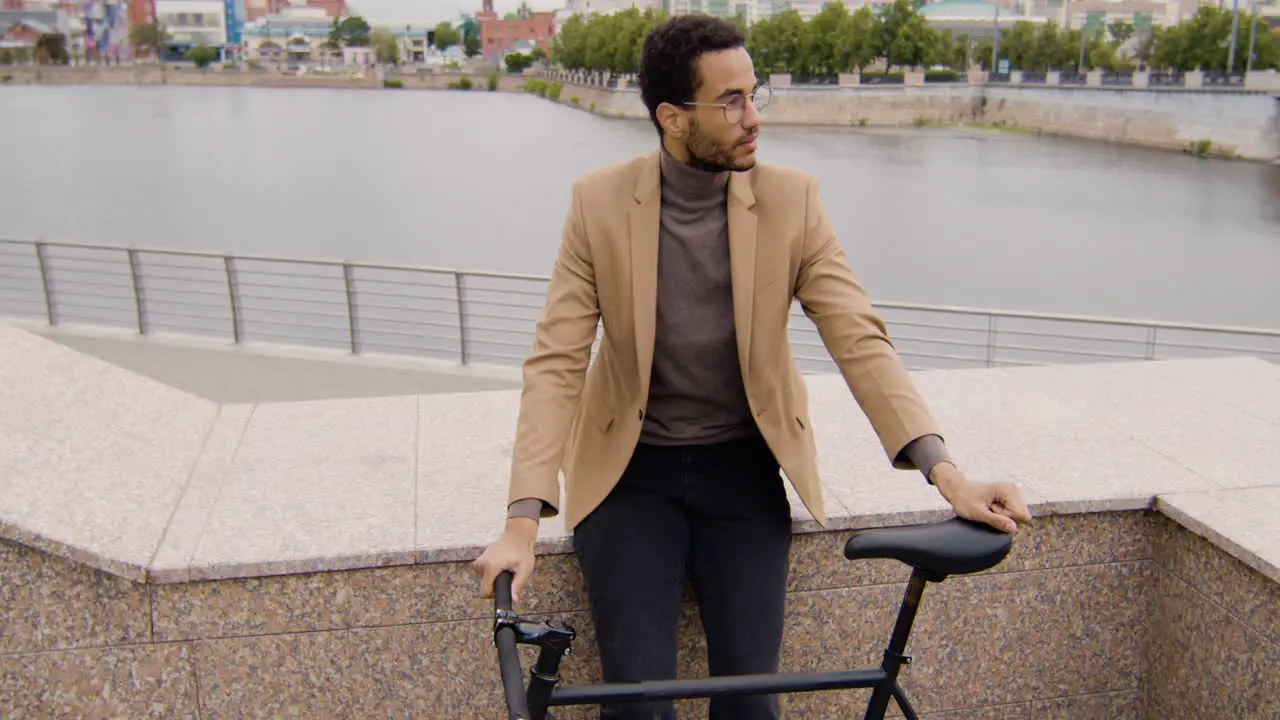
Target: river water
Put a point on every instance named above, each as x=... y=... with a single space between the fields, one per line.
x=481 y=181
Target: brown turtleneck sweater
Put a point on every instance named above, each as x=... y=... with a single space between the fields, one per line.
x=696 y=394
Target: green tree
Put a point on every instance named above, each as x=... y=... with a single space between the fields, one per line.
x=820 y=44
x=386 y=46
x=445 y=36
x=352 y=31
x=150 y=38
x=202 y=55
x=605 y=43
x=51 y=49
x=517 y=62
x=1120 y=31
x=775 y=43
x=471 y=45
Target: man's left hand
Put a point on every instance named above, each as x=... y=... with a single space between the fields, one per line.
x=999 y=504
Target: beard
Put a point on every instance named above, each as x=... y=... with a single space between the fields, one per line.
x=711 y=155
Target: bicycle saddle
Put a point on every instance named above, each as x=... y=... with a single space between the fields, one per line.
x=951 y=547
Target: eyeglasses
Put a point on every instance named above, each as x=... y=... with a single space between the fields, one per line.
x=737 y=107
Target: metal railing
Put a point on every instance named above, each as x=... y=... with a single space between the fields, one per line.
x=474 y=317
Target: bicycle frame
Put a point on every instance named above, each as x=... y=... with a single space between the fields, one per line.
x=934 y=551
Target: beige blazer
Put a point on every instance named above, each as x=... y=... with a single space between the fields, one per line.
x=586 y=422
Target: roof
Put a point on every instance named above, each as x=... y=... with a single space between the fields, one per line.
x=962 y=9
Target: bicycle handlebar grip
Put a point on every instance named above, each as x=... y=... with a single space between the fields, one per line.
x=508 y=653
x=502 y=590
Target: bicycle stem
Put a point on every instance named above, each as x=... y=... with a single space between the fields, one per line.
x=554 y=640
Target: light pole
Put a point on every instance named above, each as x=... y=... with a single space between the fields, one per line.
x=995 y=45
x=1253 y=34
x=1235 y=23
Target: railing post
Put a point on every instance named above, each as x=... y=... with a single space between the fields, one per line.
x=135 y=272
x=348 y=281
x=46 y=282
x=991 y=340
x=459 y=288
x=233 y=295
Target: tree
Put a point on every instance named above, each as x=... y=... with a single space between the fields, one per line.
x=1120 y=31
x=471 y=46
x=51 y=49
x=350 y=32
x=517 y=62
x=445 y=36
x=202 y=55
x=151 y=37
x=386 y=46
x=607 y=43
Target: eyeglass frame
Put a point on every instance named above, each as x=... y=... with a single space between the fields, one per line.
x=725 y=106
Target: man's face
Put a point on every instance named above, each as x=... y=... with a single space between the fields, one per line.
x=714 y=142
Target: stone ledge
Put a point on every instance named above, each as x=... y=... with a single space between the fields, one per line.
x=1022 y=639
x=115 y=471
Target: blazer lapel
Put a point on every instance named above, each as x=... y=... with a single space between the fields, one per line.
x=742 y=260
x=644 y=220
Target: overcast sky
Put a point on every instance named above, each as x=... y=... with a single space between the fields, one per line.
x=435 y=10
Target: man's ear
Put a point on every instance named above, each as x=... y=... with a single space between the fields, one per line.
x=673 y=121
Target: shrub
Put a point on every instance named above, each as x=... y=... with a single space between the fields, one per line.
x=395 y=83
x=492 y=80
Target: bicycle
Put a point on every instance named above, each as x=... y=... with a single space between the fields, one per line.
x=933 y=550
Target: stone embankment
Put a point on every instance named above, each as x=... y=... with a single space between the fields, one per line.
x=186 y=75
x=1241 y=122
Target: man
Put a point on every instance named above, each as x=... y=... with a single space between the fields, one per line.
x=671 y=443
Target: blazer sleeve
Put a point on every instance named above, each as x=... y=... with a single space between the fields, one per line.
x=856 y=337
x=555 y=368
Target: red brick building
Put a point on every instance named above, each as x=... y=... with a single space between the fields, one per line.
x=497 y=34
x=141 y=12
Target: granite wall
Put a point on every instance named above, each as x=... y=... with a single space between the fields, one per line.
x=1113 y=615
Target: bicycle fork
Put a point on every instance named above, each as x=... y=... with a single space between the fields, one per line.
x=554 y=640
x=895 y=655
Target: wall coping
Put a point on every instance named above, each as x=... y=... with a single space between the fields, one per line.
x=127 y=475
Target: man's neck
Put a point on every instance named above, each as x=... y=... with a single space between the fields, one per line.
x=687 y=178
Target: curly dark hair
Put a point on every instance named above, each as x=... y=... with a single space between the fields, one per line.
x=668 y=63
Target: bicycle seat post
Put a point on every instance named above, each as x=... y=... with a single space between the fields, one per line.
x=895 y=654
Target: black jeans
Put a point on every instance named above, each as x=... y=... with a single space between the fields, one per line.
x=718 y=513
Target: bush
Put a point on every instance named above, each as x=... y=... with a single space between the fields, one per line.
x=395 y=83
x=461 y=84
x=553 y=90
x=942 y=76
x=202 y=56
x=537 y=86
x=492 y=80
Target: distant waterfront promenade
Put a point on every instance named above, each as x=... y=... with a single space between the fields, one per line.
x=1237 y=122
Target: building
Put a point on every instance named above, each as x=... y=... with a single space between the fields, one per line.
x=21 y=29
x=498 y=35
x=193 y=22
x=140 y=12
x=295 y=33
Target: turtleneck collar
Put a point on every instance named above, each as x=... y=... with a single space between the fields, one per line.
x=689 y=181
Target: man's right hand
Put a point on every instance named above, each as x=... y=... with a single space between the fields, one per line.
x=513 y=551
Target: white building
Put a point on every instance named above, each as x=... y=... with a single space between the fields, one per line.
x=193 y=22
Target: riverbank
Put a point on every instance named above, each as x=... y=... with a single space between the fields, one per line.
x=1235 y=124
x=1242 y=124
x=235 y=77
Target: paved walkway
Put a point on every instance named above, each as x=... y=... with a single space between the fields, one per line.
x=226 y=373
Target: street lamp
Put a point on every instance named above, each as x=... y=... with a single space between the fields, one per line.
x=1235 y=23
x=1253 y=34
